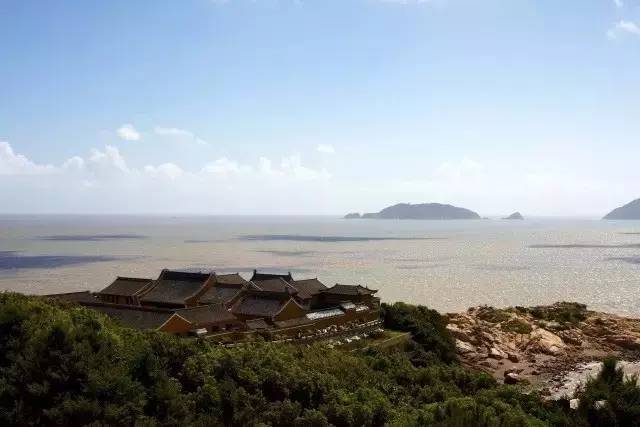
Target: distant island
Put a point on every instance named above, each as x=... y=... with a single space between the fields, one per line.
x=434 y=211
x=515 y=215
x=354 y=215
x=629 y=211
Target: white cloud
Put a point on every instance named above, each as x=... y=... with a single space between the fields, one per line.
x=164 y=170
x=619 y=3
x=178 y=134
x=325 y=148
x=105 y=181
x=12 y=163
x=172 y=132
x=74 y=163
x=224 y=166
x=128 y=133
x=623 y=27
x=292 y=166
x=110 y=158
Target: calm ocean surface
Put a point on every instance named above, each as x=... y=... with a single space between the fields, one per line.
x=447 y=265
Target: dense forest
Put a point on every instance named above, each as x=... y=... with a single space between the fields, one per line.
x=68 y=365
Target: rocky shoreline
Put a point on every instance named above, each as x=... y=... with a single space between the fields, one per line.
x=542 y=346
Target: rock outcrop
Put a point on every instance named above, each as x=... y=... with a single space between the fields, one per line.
x=629 y=211
x=518 y=344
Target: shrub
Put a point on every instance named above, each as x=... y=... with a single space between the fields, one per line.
x=621 y=396
x=517 y=326
x=493 y=315
x=62 y=364
x=428 y=329
x=562 y=312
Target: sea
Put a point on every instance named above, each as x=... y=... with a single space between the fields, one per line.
x=445 y=265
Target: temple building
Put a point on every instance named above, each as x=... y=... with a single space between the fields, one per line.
x=177 y=289
x=212 y=305
x=125 y=290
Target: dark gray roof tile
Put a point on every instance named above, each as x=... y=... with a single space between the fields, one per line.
x=213 y=313
x=127 y=286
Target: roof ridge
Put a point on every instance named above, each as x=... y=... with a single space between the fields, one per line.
x=140 y=279
x=128 y=307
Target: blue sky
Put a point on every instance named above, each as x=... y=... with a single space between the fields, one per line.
x=304 y=107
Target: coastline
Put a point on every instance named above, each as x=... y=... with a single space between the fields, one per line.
x=543 y=346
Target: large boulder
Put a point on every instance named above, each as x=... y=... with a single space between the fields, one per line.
x=496 y=353
x=459 y=333
x=463 y=347
x=511 y=378
x=546 y=342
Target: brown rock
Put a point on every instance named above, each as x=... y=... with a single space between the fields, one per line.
x=511 y=378
x=625 y=341
x=486 y=336
x=571 y=336
x=513 y=357
x=497 y=354
x=464 y=347
x=458 y=333
x=546 y=342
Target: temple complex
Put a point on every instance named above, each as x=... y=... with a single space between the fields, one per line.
x=214 y=305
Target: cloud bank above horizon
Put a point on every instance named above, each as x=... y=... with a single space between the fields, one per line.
x=104 y=182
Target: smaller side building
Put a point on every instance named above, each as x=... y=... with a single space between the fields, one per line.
x=213 y=317
x=271 y=306
x=339 y=294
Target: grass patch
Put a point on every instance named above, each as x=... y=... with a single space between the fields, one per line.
x=517 y=326
x=562 y=312
x=493 y=315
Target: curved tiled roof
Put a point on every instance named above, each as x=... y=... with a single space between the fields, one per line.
x=175 y=287
x=79 y=297
x=213 y=313
x=268 y=276
x=275 y=285
x=339 y=289
x=262 y=304
x=308 y=287
x=134 y=316
x=127 y=286
x=230 y=279
x=254 y=305
x=217 y=294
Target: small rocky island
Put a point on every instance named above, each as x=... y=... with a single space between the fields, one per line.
x=433 y=211
x=353 y=215
x=629 y=211
x=515 y=215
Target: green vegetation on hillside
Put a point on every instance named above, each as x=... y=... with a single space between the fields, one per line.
x=610 y=399
x=565 y=313
x=67 y=365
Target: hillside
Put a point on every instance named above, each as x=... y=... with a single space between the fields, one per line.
x=63 y=364
x=629 y=211
x=429 y=211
